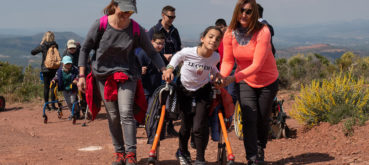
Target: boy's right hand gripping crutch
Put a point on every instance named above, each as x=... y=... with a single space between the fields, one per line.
x=222 y=158
x=154 y=152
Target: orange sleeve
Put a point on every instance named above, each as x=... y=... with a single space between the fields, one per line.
x=260 y=54
x=228 y=58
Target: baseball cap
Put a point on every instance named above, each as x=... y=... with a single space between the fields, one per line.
x=67 y=60
x=127 y=5
x=71 y=44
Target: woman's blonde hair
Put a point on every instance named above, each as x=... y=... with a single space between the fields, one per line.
x=48 y=37
x=254 y=24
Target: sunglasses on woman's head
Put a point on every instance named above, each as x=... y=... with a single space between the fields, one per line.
x=247 y=11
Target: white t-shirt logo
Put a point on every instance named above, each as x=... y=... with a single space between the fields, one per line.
x=200 y=70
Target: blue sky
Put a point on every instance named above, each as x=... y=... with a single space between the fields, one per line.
x=192 y=15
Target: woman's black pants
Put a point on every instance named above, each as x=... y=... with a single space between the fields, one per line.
x=256 y=105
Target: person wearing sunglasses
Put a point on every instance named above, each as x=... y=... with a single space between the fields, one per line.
x=115 y=69
x=247 y=41
x=172 y=44
x=165 y=25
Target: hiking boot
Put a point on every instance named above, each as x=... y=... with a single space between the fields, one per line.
x=171 y=131
x=198 y=162
x=119 y=159
x=131 y=158
x=184 y=158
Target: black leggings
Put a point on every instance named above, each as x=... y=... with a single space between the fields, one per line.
x=256 y=105
x=48 y=76
x=197 y=120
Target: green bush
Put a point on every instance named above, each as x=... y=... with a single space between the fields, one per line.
x=18 y=84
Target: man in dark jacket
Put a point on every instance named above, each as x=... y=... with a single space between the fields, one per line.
x=165 y=25
x=172 y=43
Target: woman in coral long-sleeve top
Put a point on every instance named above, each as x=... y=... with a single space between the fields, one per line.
x=248 y=41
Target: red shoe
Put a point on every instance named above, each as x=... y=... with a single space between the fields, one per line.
x=119 y=159
x=131 y=158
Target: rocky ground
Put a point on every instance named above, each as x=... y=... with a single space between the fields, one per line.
x=25 y=139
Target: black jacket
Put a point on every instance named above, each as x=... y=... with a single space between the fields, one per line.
x=43 y=49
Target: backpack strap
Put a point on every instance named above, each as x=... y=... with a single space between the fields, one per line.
x=103 y=23
x=136 y=28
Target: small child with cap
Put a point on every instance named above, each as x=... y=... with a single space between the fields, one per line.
x=67 y=77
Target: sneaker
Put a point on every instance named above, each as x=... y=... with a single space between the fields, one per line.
x=183 y=158
x=250 y=162
x=253 y=161
x=119 y=159
x=260 y=154
x=131 y=158
x=70 y=117
x=198 y=162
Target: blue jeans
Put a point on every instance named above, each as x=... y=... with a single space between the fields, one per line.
x=120 y=115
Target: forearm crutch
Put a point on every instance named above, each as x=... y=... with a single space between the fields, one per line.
x=154 y=154
x=230 y=157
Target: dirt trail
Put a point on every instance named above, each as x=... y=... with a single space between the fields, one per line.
x=25 y=139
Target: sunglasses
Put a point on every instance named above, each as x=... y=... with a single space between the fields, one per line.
x=247 y=11
x=128 y=12
x=170 y=17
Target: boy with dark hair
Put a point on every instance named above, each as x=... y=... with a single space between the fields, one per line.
x=151 y=76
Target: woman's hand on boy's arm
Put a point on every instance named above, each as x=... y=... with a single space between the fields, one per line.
x=228 y=80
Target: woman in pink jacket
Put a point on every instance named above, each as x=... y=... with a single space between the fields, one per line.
x=248 y=41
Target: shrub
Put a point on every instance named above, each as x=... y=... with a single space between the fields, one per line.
x=331 y=100
x=19 y=86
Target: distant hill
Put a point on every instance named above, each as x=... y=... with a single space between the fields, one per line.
x=353 y=35
x=327 y=50
x=17 y=49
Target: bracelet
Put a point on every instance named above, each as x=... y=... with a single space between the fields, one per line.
x=170 y=67
x=81 y=75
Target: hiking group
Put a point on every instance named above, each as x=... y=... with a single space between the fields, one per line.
x=128 y=64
